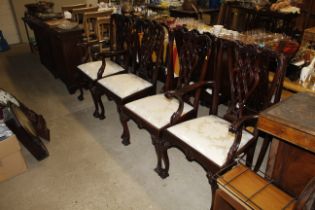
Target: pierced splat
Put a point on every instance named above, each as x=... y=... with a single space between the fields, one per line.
x=244 y=76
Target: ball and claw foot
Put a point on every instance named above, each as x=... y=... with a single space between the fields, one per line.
x=101 y=117
x=95 y=114
x=125 y=140
x=161 y=172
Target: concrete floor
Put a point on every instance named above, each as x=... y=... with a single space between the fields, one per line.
x=88 y=167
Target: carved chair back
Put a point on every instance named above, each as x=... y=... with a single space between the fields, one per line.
x=211 y=98
x=265 y=92
x=269 y=92
x=122 y=37
x=244 y=72
x=149 y=53
x=194 y=52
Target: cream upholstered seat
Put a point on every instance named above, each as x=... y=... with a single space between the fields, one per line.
x=157 y=109
x=91 y=68
x=124 y=85
x=210 y=136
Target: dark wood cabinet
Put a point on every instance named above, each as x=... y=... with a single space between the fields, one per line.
x=58 y=50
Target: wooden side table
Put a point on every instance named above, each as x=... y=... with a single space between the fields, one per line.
x=291 y=161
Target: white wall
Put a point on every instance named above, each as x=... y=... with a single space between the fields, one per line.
x=7 y=23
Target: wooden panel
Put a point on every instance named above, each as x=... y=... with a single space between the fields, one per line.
x=296 y=137
x=293 y=168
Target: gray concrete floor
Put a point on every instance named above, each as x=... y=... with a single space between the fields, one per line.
x=88 y=167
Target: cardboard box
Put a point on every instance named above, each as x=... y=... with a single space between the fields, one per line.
x=12 y=162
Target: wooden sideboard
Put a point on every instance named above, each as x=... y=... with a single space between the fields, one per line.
x=58 y=50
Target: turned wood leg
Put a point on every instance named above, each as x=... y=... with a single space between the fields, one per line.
x=125 y=136
x=162 y=157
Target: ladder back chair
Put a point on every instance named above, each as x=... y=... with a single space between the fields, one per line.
x=156 y=113
x=96 y=26
x=94 y=66
x=215 y=142
x=77 y=13
x=141 y=81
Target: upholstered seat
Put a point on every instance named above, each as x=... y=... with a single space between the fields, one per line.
x=124 y=85
x=209 y=135
x=157 y=109
x=91 y=68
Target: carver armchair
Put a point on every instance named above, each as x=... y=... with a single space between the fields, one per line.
x=101 y=64
x=141 y=80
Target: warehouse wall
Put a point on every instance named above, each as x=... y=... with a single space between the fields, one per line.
x=7 y=23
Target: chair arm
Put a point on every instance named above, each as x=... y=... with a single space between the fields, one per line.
x=235 y=126
x=178 y=95
x=102 y=56
x=86 y=47
x=111 y=53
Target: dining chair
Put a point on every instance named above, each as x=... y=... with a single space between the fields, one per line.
x=96 y=26
x=141 y=80
x=94 y=66
x=157 y=112
x=77 y=13
x=215 y=141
